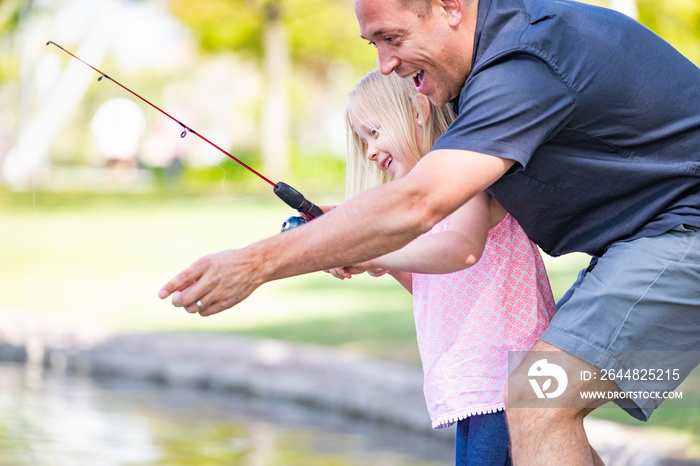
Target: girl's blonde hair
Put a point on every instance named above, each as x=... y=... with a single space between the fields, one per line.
x=392 y=101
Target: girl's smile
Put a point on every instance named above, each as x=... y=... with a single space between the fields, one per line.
x=383 y=150
x=385 y=164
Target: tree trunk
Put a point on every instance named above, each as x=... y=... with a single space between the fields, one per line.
x=275 y=128
x=31 y=151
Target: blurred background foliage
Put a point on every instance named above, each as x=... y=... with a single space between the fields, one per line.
x=265 y=79
x=677 y=21
x=321 y=32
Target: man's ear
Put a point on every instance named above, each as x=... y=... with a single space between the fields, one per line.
x=454 y=10
x=421 y=109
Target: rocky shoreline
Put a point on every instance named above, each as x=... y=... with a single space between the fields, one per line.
x=321 y=377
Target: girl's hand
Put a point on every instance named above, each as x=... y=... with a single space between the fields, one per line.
x=349 y=270
x=374 y=272
x=339 y=273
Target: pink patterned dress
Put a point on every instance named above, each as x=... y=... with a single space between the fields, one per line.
x=468 y=321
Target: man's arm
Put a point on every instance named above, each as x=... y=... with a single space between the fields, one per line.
x=458 y=247
x=374 y=223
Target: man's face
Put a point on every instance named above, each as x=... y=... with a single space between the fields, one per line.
x=423 y=48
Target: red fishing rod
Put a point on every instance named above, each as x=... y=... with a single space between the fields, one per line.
x=289 y=195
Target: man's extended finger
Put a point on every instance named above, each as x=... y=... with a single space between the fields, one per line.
x=197 y=291
x=176 y=298
x=183 y=279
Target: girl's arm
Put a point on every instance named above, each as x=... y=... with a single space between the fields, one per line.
x=405 y=279
x=457 y=248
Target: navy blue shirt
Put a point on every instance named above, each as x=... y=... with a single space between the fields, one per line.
x=601 y=116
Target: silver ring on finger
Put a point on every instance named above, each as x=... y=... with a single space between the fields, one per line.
x=199 y=304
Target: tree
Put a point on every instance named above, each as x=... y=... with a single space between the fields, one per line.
x=277 y=34
x=38 y=128
x=677 y=21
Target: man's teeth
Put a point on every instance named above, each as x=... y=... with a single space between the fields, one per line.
x=415 y=74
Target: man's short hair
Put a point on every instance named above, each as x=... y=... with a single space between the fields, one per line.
x=422 y=8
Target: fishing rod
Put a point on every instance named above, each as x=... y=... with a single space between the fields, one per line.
x=286 y=193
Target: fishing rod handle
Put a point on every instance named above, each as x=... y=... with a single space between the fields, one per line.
x=297 y=201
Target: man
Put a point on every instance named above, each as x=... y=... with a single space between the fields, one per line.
x=585 y=126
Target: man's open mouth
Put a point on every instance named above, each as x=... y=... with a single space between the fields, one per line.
x=418 y=78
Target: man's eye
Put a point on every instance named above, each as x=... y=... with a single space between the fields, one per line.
x=390 y=40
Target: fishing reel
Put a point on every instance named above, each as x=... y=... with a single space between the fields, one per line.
x=293 y=222
x=297 y=201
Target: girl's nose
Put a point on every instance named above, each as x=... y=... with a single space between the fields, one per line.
x=372 y=152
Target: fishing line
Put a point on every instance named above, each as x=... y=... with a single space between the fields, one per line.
x=286 y=193
x=223 y=186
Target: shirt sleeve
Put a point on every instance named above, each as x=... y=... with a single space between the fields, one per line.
x=509 y=108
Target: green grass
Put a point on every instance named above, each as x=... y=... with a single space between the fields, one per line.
x=99 y=259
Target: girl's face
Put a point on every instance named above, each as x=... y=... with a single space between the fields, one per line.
x=389 y=157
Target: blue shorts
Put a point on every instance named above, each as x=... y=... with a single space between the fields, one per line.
x=636 y=307
x=483 y=440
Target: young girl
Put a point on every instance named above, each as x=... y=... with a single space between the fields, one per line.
x=479 y=285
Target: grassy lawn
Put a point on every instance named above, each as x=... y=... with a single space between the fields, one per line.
x=99 y=260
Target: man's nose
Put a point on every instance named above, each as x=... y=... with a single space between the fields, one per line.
x=387 y=60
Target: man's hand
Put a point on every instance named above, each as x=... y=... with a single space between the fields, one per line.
x=213 y=283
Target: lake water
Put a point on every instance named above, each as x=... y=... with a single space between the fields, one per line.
x=54 y=419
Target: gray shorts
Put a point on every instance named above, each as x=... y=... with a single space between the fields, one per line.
x=636 y=307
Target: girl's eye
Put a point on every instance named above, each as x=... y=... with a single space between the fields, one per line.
x=373 y=132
